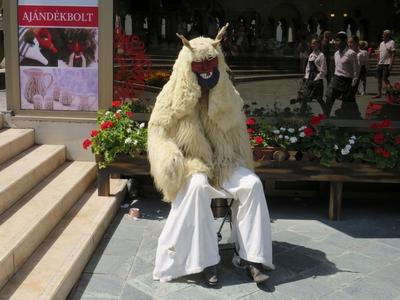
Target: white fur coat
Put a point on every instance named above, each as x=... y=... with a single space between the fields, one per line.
x=188 y=135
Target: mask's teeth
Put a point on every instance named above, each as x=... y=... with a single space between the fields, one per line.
x=206 y=75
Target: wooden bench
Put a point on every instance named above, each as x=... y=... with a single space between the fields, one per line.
x=286 y=170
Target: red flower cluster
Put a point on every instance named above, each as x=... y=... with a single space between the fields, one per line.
x=94 y=133
x=315 y=120
x=129 y=114
x=384 y=124
x=251 y=121
x=258 y=140
x=379 y=138
x=309 y=131
x=383 y=152
x=86 y=144
x=118 y=115
x=251 y=130
x=116 y=103
x=106 y=124
x=397 y=140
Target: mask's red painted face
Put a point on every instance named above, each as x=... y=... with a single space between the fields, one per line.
x=207 y=72
x=205 y=66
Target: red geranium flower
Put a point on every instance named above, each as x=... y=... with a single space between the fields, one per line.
x=397 y=140
x=386 y=123
x=309 y=131
x=386 y=153
x=379 y=138
x=374 y=126
x=129 y=114
x=86 y=144
x=250 y=130
x=106 y=124
x=251 y=121
x=94 y=133
x=315 y=120
x=116 y=103
x=259 y=140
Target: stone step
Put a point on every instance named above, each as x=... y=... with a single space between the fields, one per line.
x=14 y=141
x=54 y=268
x=27 y=223
x=19 y=175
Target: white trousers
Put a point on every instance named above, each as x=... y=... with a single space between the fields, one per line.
x=188 y=242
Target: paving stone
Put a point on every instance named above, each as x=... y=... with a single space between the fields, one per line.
x=118 y=246
x=99 y=285
x=194 y=293
x=140 y=267
x=393 y=242
x=110 y=264
x=131 y=293
x=330 y=275
x=369 y=288
x=329 y=249
x=357 y=263
x=305 y=289
x=292 y=238
x=148 y=248
x=263 y=295
x=380 y=251
x=297 y=260
x=147 y=285
x=388 y=275
x=314 y=230
x=338 y=295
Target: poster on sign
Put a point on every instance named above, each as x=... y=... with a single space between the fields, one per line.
x=58 y=54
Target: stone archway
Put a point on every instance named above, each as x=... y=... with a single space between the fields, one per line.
x=287 y=15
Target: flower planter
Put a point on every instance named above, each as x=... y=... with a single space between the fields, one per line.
x=263 y=153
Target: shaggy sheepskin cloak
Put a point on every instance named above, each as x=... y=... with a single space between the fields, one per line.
x=189 y=135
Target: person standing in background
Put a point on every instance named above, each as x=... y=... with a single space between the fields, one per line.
x=328 y=51
x=387 y=52
x=346 y=73
x=353 y=43
x=363 y=57
x=314 y=74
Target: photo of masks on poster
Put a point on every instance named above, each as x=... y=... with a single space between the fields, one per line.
x=58 y=54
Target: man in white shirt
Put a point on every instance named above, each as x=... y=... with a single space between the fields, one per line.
x=346 y=73
x=387 y=53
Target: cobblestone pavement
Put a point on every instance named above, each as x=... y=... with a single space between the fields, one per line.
x=355 y=258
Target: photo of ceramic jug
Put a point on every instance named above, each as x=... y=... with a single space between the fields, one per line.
x=66 y=98
x=86 y=101
x=37 y=102
x=48 y=103
x=35 y=83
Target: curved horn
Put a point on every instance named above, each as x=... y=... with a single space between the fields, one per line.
x=185 y=42
x=221 y=33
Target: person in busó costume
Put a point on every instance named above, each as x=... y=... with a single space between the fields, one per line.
x=198 y=149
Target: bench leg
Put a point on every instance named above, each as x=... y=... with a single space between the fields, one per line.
x=335 y=200
x=103 y=183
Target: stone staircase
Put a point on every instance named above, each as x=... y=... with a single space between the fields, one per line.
x=51 y=218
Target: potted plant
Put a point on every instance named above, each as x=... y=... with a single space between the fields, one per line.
x=380 y=147
x=393 y=94
x=325 y=141
x=118 y=137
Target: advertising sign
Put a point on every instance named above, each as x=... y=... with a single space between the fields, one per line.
x=58 y=54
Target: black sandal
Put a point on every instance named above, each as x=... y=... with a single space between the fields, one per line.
x=210 y=275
